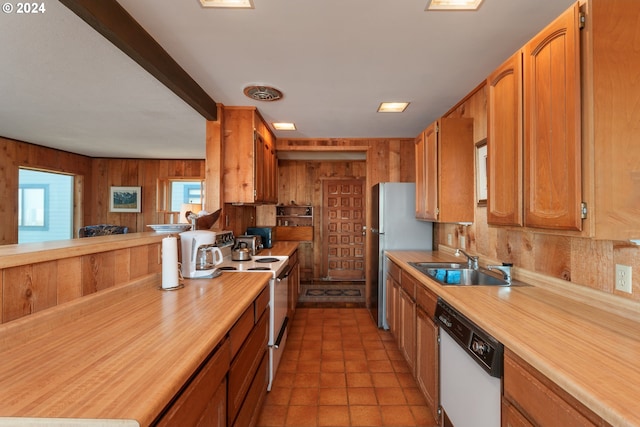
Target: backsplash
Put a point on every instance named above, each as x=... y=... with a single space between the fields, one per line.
x=580 y=261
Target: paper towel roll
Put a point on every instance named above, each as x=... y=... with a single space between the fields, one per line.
x=170 y=262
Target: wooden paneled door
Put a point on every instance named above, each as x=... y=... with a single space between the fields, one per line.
x=343 y=219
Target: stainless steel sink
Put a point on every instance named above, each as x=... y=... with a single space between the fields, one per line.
x=451 y=274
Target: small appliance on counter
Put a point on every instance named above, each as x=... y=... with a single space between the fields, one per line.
x=254 y=243
x=200 y=255
x=265 y=232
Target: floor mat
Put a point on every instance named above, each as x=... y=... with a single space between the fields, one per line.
x=332 y=292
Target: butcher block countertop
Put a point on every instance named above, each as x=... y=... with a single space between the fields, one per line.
x=122 y=353
x=586 y=342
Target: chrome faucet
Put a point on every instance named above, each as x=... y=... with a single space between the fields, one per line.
x=472 y=261
x=505 y=269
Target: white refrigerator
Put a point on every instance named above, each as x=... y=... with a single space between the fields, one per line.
x=393 y=227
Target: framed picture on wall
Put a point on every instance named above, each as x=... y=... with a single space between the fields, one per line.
x=125 y=199
x=481 y=172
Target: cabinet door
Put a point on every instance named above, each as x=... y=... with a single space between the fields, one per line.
x=552 y=138
x=456 y=171
x=427 y=360
x=407 y=332
x=421 y=186
x=392 y=306
x=259 y=174
x=430 y=203
x=504 y=143
x=511 y=417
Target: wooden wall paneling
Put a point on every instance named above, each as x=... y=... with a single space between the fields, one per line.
x=69 y=279
x=214 y=180
x=138 y=261
x=98 y=272
x=154 y=258
x=122 y=266
x=592 y=263
x=99 y=196
x=553 y=255
x=8 y=193
x=1 y=296
x=28 y=289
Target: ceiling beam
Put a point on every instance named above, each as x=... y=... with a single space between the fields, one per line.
x=112 y=21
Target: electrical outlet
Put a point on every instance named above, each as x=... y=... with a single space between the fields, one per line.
x=462 y=242
x=623 y=278
x=449 y=239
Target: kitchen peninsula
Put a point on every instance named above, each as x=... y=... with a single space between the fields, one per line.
x=133 y=351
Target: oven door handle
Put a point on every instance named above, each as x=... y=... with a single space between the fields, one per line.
x=281 y=333
x=285 y=273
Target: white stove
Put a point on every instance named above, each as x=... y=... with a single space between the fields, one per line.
x=278 y=298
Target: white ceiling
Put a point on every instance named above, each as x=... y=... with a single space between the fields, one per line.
x=63 y=85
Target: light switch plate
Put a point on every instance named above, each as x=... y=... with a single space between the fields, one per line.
x=623 y=278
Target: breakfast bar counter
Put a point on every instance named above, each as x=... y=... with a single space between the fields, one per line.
x=121 y=353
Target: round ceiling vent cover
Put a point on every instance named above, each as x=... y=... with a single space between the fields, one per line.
x=263 y=93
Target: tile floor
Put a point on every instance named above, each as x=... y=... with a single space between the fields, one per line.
x=338 y=369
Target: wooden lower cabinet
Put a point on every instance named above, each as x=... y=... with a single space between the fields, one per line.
x=410 y=311
x=407 y=319
x=245 y=367
x=203 y=401
x=427 y=350
x=230 y=387
x=392 y=291
x=294 y=285
x=531 y=399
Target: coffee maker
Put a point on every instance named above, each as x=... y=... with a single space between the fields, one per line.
x=200 y=255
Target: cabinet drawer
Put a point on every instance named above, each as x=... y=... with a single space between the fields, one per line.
x=191 y=405
x=426 y=300
x=250 y=410
x=409 y=284
x=244 y=367
x=540 y=400
x=240 y=331
x=261 y=304
x=393 y=270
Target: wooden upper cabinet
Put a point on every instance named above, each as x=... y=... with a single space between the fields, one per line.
x=249 y=158
x=504 y=143
x=446 y=193
x=552 y=125
x=420 y=178
x=612 y=116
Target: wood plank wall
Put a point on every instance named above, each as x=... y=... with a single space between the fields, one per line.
x=578 y=260
x=30 y=288
x=387 y=160
x=16 y=154
x=136 y=172
x=96 y=175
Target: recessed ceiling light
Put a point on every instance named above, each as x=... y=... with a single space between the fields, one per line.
x=392 y=107
x=284 y=126
x=453 y=4
x=237 y=4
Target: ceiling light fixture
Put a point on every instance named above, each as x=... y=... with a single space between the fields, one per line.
x=235 y=4
x=262 y=93
x=284 y=126
x=453 y=4
x=392 y=107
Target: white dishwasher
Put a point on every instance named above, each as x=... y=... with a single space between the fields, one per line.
x=470 y=371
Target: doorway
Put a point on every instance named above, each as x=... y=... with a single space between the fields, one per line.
x=343 y=221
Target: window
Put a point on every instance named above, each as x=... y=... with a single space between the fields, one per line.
x=45 y=206
x=33 y=204
x=185 y=192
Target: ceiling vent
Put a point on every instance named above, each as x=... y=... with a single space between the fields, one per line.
x=263 y=93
